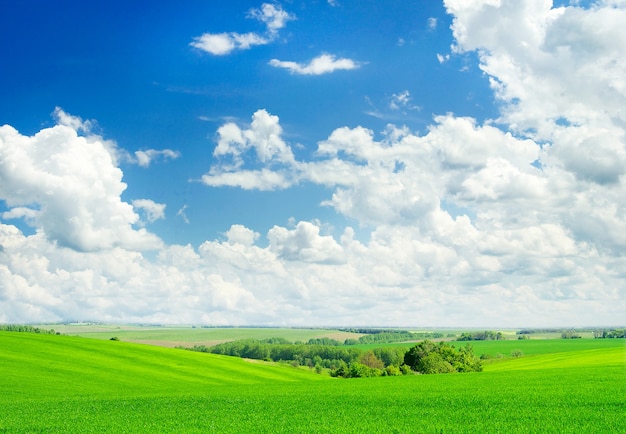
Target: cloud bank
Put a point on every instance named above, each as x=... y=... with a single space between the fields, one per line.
x=517 y=221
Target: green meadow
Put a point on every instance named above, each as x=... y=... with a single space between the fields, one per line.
x=67 y=384
x=172 y=336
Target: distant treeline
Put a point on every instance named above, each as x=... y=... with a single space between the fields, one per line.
x=386 y=336
x=609 y=333
x=25 y=329
x=554 y=330
x=278 y=349
x=487 y=335
x=349 y=361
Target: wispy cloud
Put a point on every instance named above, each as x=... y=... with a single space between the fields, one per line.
x=219 y=44
x=144 y=158
x=323 y=64
x=181 y=213
x=402 y=100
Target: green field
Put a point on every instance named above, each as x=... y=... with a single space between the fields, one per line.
x=70 y=384
x=170 y=336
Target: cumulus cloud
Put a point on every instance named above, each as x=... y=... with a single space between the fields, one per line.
x=218 y=44
x=323 y=64
x=559 y=72
x=304 y=243
x=68 y=186
x=264 y=138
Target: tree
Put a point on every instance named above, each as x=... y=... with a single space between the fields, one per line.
x=430 y=358
x=369 y=359
x=413 y=357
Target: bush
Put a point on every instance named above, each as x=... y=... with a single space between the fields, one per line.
x=392 y=371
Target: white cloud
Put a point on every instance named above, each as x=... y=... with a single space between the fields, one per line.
x=274 y=17
x=323 y=64
x=399 y=100
x=219 y=44
x=304 y=243
x=153 y=211
x=68 y=186
x=238 y=234
x=20 y=212
x=144 y=158
x=402 y=100
x=264 y=137
x=224 y=43
x=560 y=73
x=181 y=213
x=527 y=237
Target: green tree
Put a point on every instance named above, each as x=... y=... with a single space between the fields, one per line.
x=370 y=360
x=434 y=363
x=430 y=358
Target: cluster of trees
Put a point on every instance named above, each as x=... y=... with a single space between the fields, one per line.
x=26 y=329
x=609 y=333
x=487 y=335
x=350 y=362
x=570 y=334
x=428 y=357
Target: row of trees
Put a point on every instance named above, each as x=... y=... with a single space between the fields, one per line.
x=386 y=336
x=25 y=329
x=426 y=357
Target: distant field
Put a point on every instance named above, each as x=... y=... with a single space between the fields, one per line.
x=172 y=336
x=63 y=384
x=540 y=346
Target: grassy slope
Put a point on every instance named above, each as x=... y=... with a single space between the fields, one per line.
x=46 y=366
x=69 y=384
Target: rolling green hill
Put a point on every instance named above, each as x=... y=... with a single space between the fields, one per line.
x=70 y=384
x=49 y=365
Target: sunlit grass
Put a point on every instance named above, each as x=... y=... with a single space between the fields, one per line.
x=69 y=384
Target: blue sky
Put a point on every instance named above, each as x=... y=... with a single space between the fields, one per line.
x=133 y=71
x=461 y=160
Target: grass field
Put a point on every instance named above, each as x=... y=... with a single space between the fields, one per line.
x=169 y=336
x=71 y=384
